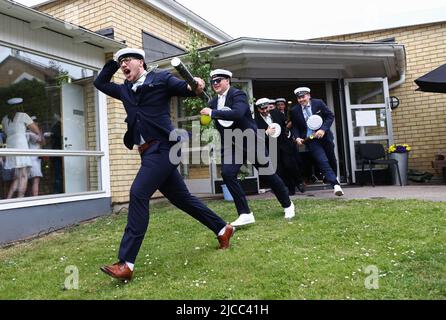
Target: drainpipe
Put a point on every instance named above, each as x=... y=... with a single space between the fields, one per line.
x=401 y=60
x=399 y=82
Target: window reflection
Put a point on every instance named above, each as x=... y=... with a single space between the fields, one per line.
x=52 y=175
x=58 y=112
x=366 y=93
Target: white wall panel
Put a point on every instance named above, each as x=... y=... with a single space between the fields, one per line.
x=17 y=33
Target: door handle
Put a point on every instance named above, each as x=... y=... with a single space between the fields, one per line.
x=68 y=145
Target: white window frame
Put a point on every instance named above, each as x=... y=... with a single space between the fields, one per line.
x=101 y=108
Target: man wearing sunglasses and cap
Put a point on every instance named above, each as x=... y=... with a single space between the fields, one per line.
x=231 y=105
x=321 y=147
x=146 y=99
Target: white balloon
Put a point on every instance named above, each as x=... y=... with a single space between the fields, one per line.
x=278 y=130
x=314 y=122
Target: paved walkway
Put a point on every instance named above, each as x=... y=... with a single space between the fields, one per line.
x=421 y=192
x=429 y=192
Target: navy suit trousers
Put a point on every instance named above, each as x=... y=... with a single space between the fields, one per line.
x=229 y=173
x=322 y=152
x=157 y=172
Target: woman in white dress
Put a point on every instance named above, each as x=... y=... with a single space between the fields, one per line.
x=15 y=124
x=35 y=141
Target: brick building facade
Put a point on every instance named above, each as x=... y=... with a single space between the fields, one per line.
x=420 y=120
x=129 y=19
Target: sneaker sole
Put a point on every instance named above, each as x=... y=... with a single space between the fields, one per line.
x=241 y=225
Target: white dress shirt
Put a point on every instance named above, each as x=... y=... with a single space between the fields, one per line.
x=221 y=101
x=135 y=86
x=140 y=81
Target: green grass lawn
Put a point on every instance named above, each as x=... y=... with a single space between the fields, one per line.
x=323 y=253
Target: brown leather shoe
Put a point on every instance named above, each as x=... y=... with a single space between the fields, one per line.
x=224 y=239
x=119 y=270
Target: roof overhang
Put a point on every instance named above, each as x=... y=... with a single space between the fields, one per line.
x=38 y=19
x=183 y=15
x=254 y=58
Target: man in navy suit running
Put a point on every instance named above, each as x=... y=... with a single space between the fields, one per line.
x=146 y=96
x=231 y=110
x=322 y=146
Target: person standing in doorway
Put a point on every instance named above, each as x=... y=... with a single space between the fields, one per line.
x=146 y=96
x=321 y=147
x=281 y=106
x=231 y=105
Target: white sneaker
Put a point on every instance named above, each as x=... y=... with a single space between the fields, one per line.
x=289 y=212
x=338 y=190
x=244 y=219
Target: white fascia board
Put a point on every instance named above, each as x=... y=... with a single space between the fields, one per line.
x=38 y=19
x=185 y=16
x=351 y=51
x=392 y=55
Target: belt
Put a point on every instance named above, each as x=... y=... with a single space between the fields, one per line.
x=143 y=147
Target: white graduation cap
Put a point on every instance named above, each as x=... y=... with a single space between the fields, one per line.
x=130 y=52
x=262 y=102
x=15 y=101
x=301 y=91
x=220 y=73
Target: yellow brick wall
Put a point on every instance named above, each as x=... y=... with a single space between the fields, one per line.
x=95 y=15
x=420 y=120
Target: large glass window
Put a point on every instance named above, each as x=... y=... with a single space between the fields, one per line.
x=157 y=49
x=60 y=100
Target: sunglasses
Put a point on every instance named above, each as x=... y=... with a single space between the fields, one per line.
x=216 y=81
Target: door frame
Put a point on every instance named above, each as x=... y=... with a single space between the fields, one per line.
x=352 y=107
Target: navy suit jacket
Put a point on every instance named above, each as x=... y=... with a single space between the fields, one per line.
x=148 y=108
x=318 y=107
x=276 y=117
x=240 y=112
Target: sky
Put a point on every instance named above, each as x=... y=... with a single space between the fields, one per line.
x=300 y=20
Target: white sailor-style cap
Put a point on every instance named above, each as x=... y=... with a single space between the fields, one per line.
x=15 y=101
x=130 y=52
x=272 y=101
x=262 y=103
x=280 y=100
x=217 y=73
x=301 y=91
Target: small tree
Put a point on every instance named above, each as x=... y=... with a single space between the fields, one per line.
x=199 y=63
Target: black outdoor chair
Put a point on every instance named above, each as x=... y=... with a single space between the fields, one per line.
x=374 y=153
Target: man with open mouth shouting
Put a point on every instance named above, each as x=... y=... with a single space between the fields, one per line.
x=146 y=99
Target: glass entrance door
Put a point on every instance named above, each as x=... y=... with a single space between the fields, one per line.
x=368 y=116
